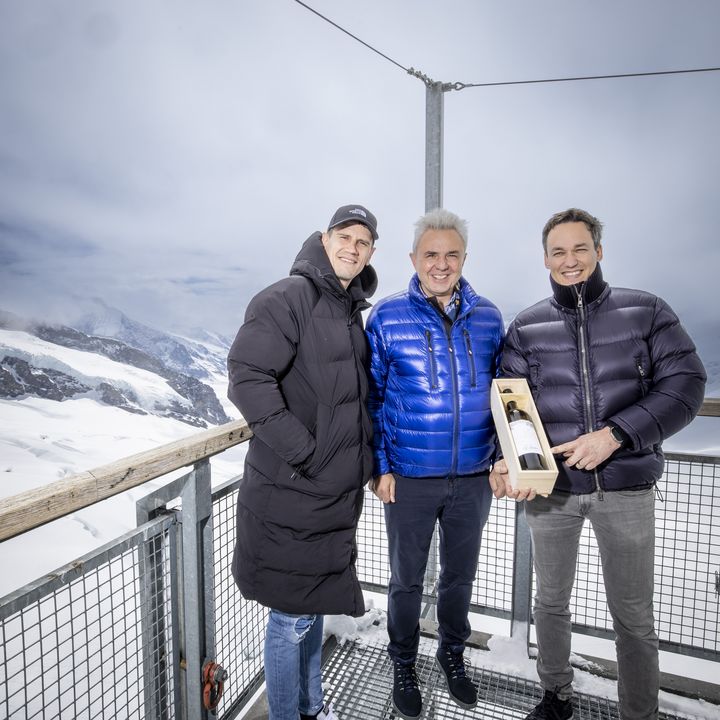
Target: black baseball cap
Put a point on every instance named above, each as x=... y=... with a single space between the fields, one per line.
x=354 y=213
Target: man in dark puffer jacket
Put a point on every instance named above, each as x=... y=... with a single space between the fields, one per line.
x=613 y=373
x=297 y=374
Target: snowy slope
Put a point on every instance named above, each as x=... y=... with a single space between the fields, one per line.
x=91 y=369
x=43 y=440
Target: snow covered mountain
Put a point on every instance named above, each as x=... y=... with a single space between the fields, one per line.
x=201 y=358
x=59 y=363
x=72 y=401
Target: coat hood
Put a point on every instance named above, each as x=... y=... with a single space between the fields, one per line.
x=312 y=262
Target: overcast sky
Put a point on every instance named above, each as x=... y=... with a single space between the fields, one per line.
x=171 y=157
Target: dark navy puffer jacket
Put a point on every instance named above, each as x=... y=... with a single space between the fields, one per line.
x=430 y=385
x=643 y=375
x=298 y=374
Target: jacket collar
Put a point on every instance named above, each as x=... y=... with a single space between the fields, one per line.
x=589 y=290
x=468 y=297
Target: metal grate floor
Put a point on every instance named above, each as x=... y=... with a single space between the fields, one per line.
x=358 y=679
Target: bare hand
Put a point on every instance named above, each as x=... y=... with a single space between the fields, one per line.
x=502 y=487
x=588 y=451
x=384 y=487
x=499 y=479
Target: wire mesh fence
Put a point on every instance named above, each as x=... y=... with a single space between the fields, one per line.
x=77 y=644
x=239 y=623
x=100 y=638
x=687 y=562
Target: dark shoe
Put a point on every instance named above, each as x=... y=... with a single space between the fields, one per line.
x=461 y=689
x=406 y=698
x=552 y=707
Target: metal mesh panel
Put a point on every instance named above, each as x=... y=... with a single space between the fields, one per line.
x=494 y=580
x=687 y=603
x=239 y=623
x=359 y=679
x=72 y=646
x=372 y=563
x=493 y=583
x=687 y=556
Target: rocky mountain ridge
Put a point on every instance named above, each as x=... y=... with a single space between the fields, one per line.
x=24 y=374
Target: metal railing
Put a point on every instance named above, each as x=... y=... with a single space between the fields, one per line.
x=126 y=630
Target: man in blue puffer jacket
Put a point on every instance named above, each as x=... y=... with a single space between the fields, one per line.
x=613 y=373
x=434 y=352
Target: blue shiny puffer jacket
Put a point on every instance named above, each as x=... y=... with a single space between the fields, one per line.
x=430 y=387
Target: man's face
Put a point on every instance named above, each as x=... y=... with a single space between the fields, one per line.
x=571 y=256
x=349 y=250
x=438 y=261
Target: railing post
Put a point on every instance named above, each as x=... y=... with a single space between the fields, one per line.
x=197 y=586
x=522 y=580
x=151 y=561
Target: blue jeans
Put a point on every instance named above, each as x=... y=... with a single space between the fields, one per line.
x=293 y=655
x=624 y=527
x=461 y=507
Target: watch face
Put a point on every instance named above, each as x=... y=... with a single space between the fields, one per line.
x=617 y=435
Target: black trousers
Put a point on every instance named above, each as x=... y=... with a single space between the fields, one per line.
x=461 y=507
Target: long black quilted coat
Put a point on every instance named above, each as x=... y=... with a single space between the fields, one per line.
x=297 y=374
x=609 y=356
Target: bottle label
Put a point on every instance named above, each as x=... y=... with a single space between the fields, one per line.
x=525 y=437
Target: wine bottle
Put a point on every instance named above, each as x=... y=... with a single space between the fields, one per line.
x=525 y=438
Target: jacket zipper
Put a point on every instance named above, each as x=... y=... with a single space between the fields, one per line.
x=641 y=373
x=456 y=401
x=585 y=369
x=353 y=311
x=471 y=358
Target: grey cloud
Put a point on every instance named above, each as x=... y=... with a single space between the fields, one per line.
x=173 y=160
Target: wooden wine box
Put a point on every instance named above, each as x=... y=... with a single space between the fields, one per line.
x=542 y=481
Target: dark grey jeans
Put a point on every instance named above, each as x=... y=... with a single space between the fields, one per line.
x=624 y=527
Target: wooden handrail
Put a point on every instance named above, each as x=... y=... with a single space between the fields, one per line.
x=30 y=509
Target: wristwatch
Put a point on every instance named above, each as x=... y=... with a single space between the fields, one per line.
x=619 y=435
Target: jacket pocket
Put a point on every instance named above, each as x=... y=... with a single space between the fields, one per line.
x=432 y=360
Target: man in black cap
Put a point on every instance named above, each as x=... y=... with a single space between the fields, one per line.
x=297 y=374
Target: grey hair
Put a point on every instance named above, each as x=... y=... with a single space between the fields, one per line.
x=594 y=226
x=440 y=219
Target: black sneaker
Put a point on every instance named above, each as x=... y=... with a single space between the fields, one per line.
x=406 y=693
x=461 y=689
x=552 y=707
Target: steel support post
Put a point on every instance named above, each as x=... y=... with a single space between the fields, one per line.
x=198 y=597
x=433 y=199
x=522 y=580
x=433 y=146
x=155 y=638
